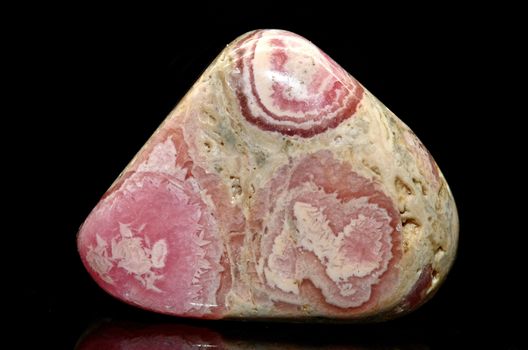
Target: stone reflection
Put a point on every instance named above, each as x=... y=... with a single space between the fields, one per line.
x=136 y=336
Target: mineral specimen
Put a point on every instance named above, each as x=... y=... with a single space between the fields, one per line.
x=279 y=187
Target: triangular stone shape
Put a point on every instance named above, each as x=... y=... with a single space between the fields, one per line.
x=279 y=187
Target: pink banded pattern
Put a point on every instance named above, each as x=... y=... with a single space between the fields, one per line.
x=319 y=221
x=277 y=188
x=286 y=84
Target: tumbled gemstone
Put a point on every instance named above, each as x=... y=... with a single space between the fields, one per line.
x=279 y=187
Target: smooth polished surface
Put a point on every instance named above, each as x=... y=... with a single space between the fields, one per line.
x=279 y=187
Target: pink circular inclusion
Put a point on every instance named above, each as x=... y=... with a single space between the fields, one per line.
x=156 y=207
x=335 y=189
x=320 y=109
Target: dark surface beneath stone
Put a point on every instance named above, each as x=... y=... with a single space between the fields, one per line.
x=96 y=82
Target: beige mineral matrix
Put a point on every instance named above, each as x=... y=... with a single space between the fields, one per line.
x=279 y=187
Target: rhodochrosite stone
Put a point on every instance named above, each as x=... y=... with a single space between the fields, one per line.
x=279 y=187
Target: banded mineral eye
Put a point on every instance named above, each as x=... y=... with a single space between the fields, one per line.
x=354 y=243
x=287 y=85
x=278 y=188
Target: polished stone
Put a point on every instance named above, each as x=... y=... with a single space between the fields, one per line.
x=279 y=187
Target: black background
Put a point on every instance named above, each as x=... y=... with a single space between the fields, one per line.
x=96 y=82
